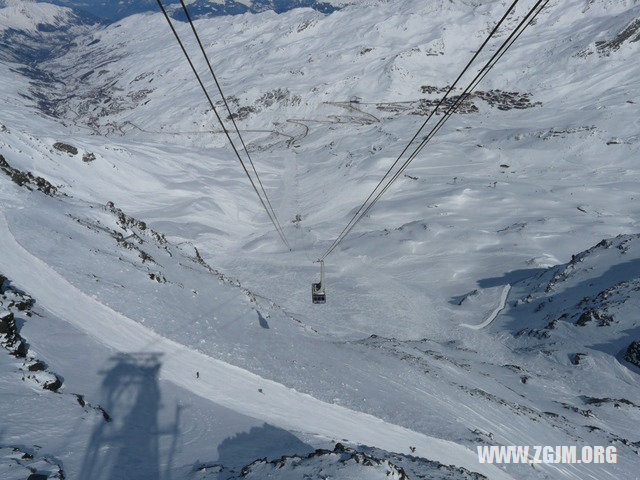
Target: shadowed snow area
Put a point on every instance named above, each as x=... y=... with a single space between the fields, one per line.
x=181 y=329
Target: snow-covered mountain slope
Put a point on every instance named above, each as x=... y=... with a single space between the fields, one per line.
x=113 y=11
x=126 y=217
x=28 y=16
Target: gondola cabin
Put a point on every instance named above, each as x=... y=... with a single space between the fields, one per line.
x=318 y=294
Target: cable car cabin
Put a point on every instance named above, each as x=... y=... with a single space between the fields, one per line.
x=318 y=294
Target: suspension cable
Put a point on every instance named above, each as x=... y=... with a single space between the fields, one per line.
x=431 y=114
x=231 y=116
x=526 y=21
x=483 y=72
x=226 y=132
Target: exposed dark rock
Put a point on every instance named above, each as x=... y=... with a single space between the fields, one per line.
x=86 y=405
x=37 y=366
x=585 y=318
x=37 y=476
x=65 y=147
x=158 y=277
x=615 y=401
x=127 y=222
x=584 y=413
x=7 y=324
x=105 y=415
x=575 y=360
x=345 y=455
x=632 y=355
x=631 y=33
x=512 y=367
x=10 y=339
x=20 y=350
x=27 y=179
x=54 y=386
x=88 y=157
x=591 y=315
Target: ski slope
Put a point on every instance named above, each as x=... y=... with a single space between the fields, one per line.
x=224 y=384
x=443 y=328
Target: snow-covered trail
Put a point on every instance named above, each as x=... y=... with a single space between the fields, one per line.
x=220 y=382
x=494 y=314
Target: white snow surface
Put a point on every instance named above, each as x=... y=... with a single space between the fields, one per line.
x=223 y=384
x=494 y=314
x=26 y=15
x=465 y=238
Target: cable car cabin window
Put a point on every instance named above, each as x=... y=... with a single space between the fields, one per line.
x=317 y=293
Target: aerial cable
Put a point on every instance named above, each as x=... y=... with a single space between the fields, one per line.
x=483 y=72
x=527 y=20
x=433 y=112
x=206 y=93
x=515 y=34
x=231 y=116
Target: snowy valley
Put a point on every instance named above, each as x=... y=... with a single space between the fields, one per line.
x=154 y=326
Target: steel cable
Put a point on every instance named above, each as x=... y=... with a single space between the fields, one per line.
x=515 y=34
x=226 y=132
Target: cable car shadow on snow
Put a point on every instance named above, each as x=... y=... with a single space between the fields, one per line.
x=127 y=446
x=262 y=321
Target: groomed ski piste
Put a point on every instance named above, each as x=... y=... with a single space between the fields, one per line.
x=222 y=383
x=489 y=298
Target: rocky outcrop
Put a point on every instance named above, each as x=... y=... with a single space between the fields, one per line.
x=30 y=463
x=596 y=288
x=632 y=355
x=65 y=147
x=341 y=462
x=14 y=301
x=630 y=34
x=10 y=339
x=27 y=179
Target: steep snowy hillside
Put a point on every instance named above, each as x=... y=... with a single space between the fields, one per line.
x=145 y=283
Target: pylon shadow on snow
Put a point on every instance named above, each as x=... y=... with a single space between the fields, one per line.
x=127 y=447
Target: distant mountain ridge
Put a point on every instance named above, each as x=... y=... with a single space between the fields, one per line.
x=113 y=11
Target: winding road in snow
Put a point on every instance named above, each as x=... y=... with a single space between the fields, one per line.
x=224 y=384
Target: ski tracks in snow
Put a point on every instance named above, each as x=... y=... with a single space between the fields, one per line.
x=220 y=382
